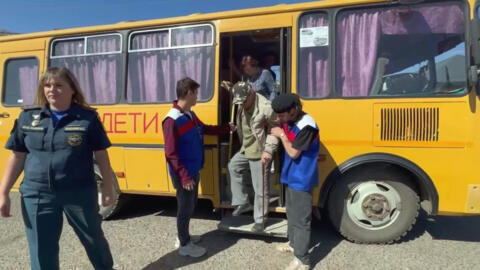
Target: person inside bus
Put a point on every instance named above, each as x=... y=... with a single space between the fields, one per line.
x=54 y=144
x=300 y=138
x=254 y=120
x=183 y=135
x=259 y=78
x=267 y=62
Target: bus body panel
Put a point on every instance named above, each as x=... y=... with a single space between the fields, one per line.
x=348 y=127
x=36 y=53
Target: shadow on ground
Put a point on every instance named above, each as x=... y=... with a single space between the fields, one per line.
x=214 y=241
x=324 y=237
x=140 y=205
x=455 y=228
x=324 y=240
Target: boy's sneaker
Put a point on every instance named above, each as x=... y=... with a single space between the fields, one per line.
x=193 y=238
x=284 y=247
x=192 y=250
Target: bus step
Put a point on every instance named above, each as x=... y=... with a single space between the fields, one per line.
x=275 y=227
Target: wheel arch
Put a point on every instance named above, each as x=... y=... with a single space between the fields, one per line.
x=428 y=192
x=119 y=198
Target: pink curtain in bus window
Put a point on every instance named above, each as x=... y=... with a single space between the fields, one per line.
x=168 y=81
x=152 y=75
x=143 y=80
x=313 y=81
x=358 y=33
x=442 y=18
x=97 y=74
x=194 y=62
x=28 y=78
x=103 y=85
x=74 y=47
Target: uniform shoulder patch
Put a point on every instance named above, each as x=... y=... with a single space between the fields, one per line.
x=83 y=111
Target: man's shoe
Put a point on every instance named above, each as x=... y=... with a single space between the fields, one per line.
x=242 y=208
x=193 y=238
x=258 y=227
x=296 y=264
x=293 y=264
x=284 y=247
x=192 y=250
x=303 y=267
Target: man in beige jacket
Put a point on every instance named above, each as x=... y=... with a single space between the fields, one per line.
x=255 y=117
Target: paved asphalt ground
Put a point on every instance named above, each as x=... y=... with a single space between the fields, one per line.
x=142 y=237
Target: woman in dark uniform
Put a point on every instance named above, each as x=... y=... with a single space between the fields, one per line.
x=54 y=144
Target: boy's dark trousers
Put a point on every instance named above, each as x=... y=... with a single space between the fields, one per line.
x=186 y=202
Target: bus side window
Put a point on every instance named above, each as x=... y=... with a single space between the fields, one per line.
x=97 y=66
x=313 y=55
x=158 y=58
x=21 y=76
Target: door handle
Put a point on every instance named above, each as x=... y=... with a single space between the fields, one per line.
x=4 y=115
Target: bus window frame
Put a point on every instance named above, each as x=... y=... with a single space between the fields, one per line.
x=331 y=46
x=473 y=44
x=333 y=15
x=211 y=44
x=121 y=91
x=169 y=29
x=85 y=43
x=5 y=78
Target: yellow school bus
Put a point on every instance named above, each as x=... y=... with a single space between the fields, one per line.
x=391 y=85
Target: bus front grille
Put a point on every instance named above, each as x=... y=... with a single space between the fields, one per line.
x=410 y=124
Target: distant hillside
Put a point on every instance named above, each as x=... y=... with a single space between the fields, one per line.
x=451 y=69
x=3 y=32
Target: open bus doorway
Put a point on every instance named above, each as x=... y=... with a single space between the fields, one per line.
x=269 y=47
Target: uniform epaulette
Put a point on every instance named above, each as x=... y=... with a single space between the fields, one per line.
x=89 y=108
x=31 y=107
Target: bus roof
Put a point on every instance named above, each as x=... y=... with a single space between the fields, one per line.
x=195 y=17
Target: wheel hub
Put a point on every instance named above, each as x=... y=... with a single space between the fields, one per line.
x=373 y=205
x=376 y=207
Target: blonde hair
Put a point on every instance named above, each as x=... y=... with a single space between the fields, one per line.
x=66 y=75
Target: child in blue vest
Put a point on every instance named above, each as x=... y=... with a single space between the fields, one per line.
x=183 y=136
x=299 y=136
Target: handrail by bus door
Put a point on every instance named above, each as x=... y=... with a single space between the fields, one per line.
x=232 y=106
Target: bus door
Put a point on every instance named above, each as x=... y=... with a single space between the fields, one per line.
x=267 y=39
x=270 y=47
x=475 y=34
x=20 y=72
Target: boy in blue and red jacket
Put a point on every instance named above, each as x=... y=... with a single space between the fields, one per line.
x=183 y=136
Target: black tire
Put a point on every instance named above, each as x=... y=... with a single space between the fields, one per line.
x=388 y=219
x=317 y=213
x=118 y=199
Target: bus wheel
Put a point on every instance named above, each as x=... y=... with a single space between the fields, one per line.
x=373 y=205
x=118 y=199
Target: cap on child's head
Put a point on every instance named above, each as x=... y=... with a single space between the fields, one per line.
x=285 y=102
